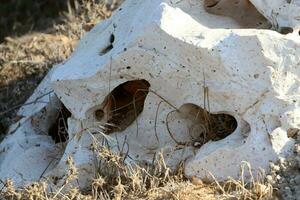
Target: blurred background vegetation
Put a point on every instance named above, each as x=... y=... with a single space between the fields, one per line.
x=18 y=17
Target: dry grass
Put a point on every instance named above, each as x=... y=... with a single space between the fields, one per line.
x=117 y=180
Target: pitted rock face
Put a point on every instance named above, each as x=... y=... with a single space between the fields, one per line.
x=283 y=14
x=203 y=86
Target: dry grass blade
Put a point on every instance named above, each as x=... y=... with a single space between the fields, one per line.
x=135 y=182
x=247 y=187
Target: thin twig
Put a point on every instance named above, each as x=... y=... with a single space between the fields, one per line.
x=169 y=131
x=155 y=122
x=26 y=104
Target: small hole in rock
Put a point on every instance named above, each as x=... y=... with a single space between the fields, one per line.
x=99 y=114
x=106 y=49
x=204 y=126
x=286 y=30
x=59 y=128
x=112 y=38
x=109 y=46
x=123 y=105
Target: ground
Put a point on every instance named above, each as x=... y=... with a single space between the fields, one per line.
x=34 y=36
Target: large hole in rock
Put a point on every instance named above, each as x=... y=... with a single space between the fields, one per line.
x=59 y=128
x=201 y=125
x=122 y=106
x=242 y=11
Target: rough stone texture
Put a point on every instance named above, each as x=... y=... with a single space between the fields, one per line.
x=285 y=174
x=172 y=59
x=27 y=151
x=281 y=13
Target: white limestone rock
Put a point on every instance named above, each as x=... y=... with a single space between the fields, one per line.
x=27 y=152
x=162 y=54
x=281 y=13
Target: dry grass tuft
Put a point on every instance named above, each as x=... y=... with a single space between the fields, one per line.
x=247 y=186
x=117 y=180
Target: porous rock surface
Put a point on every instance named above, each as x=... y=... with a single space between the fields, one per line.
x=285 y=173
x=141 y=82
x=281 y=13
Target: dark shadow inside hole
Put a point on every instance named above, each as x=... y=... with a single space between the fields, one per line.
x=242 y=11
x=222 y=125
x=123 y=105
x=112 y=38
x=99 y=114
x=293 y=133
x=59 y=128
x=211 y=3
x=206 y=126
x=109 y=46
x=286 y=30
